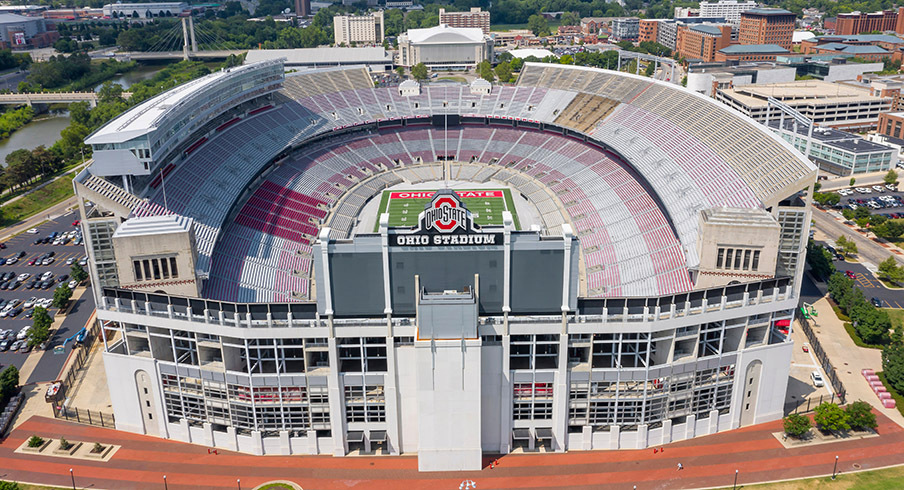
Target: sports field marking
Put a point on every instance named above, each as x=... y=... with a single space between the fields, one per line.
x=404 y=206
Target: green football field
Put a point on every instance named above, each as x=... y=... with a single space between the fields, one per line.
x=405 y=206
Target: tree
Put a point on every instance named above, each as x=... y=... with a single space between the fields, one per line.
x=61 y=296
x=891 y=177
x=888 y=229
x=77 y=273
x=538 y=25
x=9 y=384
x=400 y=70
x=796 y=425
x=846 y=246
x=486 y=71
x=10 y=485
x=570 y=19
x=40 y=329
x=891 y=270
x=827 y=198
x=419 y=71
x=860 y=415
x=893 y=366
x=830 y=417
x=852 y=181
x=504 y=71
x=820 y=260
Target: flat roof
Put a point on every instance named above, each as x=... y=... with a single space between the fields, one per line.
x=708 y=29
x=754 y=48
x=154 y=225
x=144 y=117
x=808 y=91
x=310 y=56
x=862 y=38
x=767 y=11
x=833 y=137
x=854 y=48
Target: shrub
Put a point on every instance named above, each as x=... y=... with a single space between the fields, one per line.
x=35 y=441
x=64 y=444
x=97 y=448
x=796 y=425
x=860 y=415
x=830 y=417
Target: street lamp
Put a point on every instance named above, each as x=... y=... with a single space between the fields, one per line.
x=72 y=477
x=735 y=487
x=835 y=469
x=238 y=483
x=164 y=483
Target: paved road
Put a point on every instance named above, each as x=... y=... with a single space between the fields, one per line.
x=868 y=250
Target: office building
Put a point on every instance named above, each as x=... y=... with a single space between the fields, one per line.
x=862 y=23
x=767 y=26
x=358 y=29
x=730 y=10
x=702 y=41
x=474 y=18
x=625 y=29
x=838 y=153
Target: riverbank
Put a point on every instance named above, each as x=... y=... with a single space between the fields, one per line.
x=38 y=200
x=12 y=121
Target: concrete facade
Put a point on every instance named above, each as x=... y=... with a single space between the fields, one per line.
x=358 y=29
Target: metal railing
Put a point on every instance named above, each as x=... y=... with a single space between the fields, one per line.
x=824 y=361
x=82 y=416
x=810 y=404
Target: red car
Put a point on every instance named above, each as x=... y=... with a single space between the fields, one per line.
x=76 y=222
x=850 y=274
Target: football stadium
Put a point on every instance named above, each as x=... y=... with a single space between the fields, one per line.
x=305 y=263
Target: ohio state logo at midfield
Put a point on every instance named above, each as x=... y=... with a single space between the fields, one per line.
x=446 y=213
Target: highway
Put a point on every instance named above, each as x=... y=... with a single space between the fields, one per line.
x=868 y=250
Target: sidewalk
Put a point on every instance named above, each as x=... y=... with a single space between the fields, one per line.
x=871 y=178
x=708 y=462
x=849 y=359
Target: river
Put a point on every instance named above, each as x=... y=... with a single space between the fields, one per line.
x=44 y=130
x=139 y=74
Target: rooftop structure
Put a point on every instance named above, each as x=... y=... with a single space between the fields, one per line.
x=837 y=152
x=374 y=58
x=828 y=104
x=444 y=47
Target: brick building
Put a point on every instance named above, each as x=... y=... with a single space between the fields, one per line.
x=702 y=41
x=475 y=18
x=750 y=52
x=767 y=26
x=859 y=22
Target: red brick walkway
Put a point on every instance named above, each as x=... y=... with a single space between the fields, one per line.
x=708 y=461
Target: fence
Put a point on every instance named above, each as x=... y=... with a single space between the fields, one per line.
x=823 y=359
x=85 y=416
x=69 y=380
x=811 y=403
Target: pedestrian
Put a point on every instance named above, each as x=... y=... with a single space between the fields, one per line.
x=680 y=466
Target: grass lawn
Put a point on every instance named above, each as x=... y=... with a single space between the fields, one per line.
x=24 y=486
x=898 y=398
x=865 y=480
x=274 y=486
x=453 y=79
x=39 y=200
x=896 y=315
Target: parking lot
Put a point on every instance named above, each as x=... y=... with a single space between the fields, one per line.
x=885 y=201
x=868 y=283
x=58 y=268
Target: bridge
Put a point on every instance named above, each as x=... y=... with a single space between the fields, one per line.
x=176 y=55
x=52 y=98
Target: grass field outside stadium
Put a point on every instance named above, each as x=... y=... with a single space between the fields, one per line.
x=404 y=206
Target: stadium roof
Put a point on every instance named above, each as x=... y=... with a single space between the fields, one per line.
x=443 y=34
x=12 y=18
x=312 y=56
x=144 y=117
x=754 y=48
x=537 y=52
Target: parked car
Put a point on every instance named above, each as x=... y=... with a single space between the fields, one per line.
x=15 y=312
x=73 y=284
x=15 y=284
x=16 y=345
x=76 y=223
x=25 y=348
x=850 y=274
x=31 y=284
x=4 y=345
x=47 y=261
x=83 y=262
x=63 y=278
x=46 y=284
x=816 y=378
x=29 y=313
x=12 y=260
x=45 y=303
x=23 y=276
x=47 y=275
x=70 y=261
x=32 y=231
x=876 y=302
x=30 y=302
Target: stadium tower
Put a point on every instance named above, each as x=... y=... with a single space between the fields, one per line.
x=307 y=264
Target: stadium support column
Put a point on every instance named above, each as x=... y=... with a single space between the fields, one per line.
x=566 y=269
x=508 y=222
x=325 y=277
x=384 y=245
